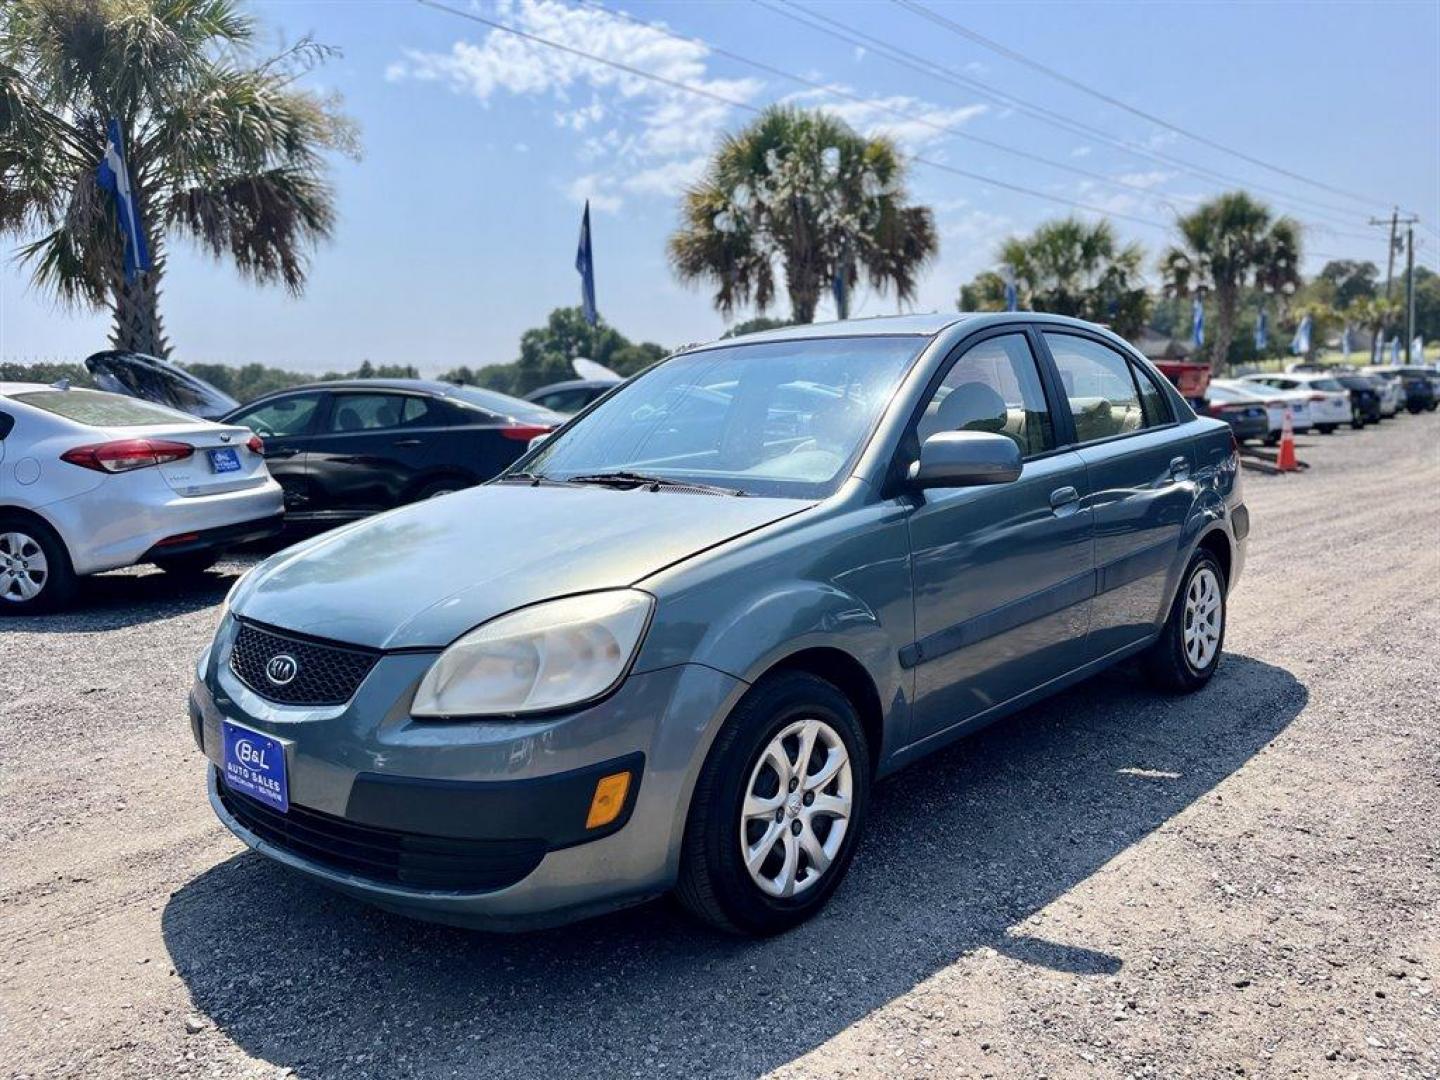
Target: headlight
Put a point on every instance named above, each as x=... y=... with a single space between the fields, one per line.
x=558 y=653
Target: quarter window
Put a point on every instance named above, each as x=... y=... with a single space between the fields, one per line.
x=1101 y=388
x=994 y=387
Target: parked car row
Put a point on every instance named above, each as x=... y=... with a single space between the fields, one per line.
x=1323 y=400
x=92 y=480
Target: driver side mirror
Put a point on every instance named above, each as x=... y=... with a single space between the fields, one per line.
x=965 y=459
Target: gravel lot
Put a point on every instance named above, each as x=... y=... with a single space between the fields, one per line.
x=1109 y=884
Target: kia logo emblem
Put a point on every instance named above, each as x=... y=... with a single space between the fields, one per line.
x=281 y=669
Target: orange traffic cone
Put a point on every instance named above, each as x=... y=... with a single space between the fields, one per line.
x=1285 y=459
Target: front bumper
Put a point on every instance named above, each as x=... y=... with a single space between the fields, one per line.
x=521 y=787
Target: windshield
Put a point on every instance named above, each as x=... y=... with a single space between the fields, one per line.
x=783 y=418
x=1326 y=384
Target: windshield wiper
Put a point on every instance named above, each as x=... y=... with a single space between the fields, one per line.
x=533 y=479
x=622 y=478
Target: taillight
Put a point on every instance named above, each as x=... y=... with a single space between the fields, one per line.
x=123 y=455
x=255 y=444
x=1274 y=404
x=1317 y=397
x=524 y=432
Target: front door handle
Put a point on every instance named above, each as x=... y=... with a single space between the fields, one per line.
x=1179 y=467
x=1064 y=501
x=407 y=442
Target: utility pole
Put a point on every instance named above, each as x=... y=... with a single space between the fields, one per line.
x=1409 y=292
x=1395 y=222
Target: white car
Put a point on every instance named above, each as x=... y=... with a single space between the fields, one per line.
x=1329 y=401
x=91 y=481
x=1236 y=391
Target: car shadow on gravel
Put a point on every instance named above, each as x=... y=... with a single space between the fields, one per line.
x=960 y=850
x=132 y=597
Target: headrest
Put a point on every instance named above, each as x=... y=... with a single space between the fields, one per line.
x=971 y=406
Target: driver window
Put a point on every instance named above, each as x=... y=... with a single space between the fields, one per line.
x=287 y=416
x=995 y=387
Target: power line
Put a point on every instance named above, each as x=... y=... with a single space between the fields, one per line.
x=876 y=103
x=745 y=106
x=909 y=61
x=1021 y=58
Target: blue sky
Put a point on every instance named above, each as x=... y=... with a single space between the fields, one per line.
x=457 y=228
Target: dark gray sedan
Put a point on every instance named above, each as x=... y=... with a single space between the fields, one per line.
x=674 y=645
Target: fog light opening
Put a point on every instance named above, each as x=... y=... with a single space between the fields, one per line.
x=609 y=800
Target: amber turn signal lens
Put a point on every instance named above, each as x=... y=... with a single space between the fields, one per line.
x=609 y=799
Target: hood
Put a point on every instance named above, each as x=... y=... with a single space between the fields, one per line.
x=423 y=575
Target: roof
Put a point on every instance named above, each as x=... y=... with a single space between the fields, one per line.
x=423 y=386
x=914 y=325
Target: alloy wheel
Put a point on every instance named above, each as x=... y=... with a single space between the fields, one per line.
x=1203 y=614
x=24 y=569
x=797 y=808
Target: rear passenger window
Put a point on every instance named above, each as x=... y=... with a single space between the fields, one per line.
x=1100 y=385
x=995 y=387
x=366 y=412
x=1152 y=400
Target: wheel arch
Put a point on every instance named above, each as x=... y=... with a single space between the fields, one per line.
x=39 y=520
x=850 y=677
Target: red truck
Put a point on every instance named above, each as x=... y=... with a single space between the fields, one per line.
x=1191 y=377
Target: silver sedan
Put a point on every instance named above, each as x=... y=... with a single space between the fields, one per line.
x=91 y=481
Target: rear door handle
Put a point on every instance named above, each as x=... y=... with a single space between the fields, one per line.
x=1179 y=467
x=1064 y=501
x=284 y=452
x=407 y=442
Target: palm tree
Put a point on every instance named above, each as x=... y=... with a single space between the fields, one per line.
x=804 y=190
x=1224 y=244
x=222 y=148
x=1078 y=268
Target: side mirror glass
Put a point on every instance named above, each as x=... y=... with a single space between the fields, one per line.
x=966 y=459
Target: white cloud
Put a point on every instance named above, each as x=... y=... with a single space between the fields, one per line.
x=1151 y=179
x=1080 y=151
x=911 y=122
x=640 y=134
x=593 y=188
x=668 y=179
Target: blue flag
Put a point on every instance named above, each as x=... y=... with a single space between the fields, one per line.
x=1197 y=323
x=1395 y=349
x=113 y=175
x=1300 y=343
x=1262 y=331
x=585 y=263
x=1345 y=343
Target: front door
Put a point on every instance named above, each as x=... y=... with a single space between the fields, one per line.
x=1003 y=575
x=1140 y=476
x=286 y=425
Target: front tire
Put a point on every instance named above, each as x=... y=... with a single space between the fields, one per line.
x=1326 y=429
x=1188 y=650
x=778 y=808
x=35 y=570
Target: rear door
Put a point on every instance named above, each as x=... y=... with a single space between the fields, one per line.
x=1002 y=575
x=286 y=425
x=1138 y=468
x=370 y=450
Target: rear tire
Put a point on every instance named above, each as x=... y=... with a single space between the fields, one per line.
x=747 y=802
x=188 y=565
x=1326 y=429
x=1188 y=650
x=35 y=571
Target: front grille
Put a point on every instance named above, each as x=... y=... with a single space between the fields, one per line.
x=384 y=855
x=324 y=674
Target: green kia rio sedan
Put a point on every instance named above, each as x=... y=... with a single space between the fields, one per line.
x=672 y=648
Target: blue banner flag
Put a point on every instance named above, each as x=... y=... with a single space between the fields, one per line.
x=1197 y=323
x=1395 y=349
x=585 y=263
x=1345 y=343
x=1012 y=294
x=1300 y=343
x=1262 y=331
x=113 y=175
